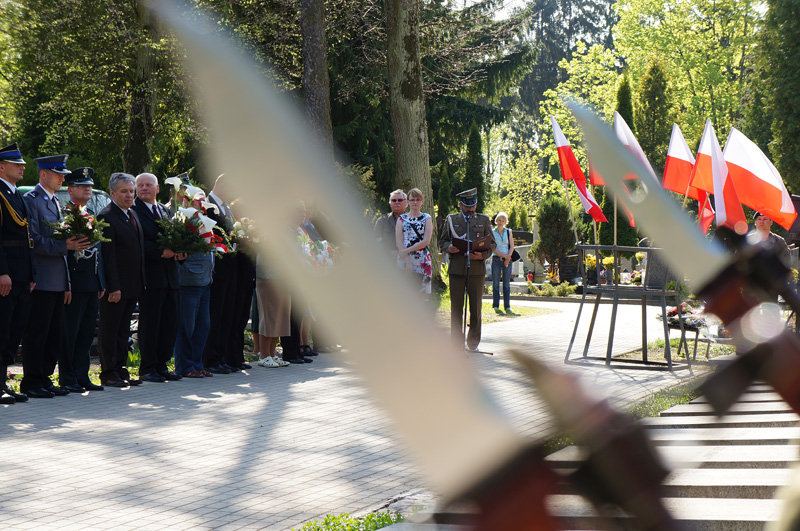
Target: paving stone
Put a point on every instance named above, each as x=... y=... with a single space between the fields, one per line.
x=726 y=483
x=746 y=408
x=729 y=421
x=721 y=436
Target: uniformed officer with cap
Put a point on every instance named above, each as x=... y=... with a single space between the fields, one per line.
x=16 y=266
x=87 y=286
x=42 y=342
x=467 y=273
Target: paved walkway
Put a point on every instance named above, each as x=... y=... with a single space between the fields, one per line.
x=270 y=448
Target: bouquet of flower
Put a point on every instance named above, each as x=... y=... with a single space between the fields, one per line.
x=608 y=262
x=185 y=232
x=78 y=222
x=590 y=262
x=320 y=252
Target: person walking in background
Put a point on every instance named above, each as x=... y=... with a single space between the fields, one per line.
x=413 y=233
x=501 y=262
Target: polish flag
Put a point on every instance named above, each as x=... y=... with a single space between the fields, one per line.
x=678 y=168
x=571 y=171
x=706 y=214
x=757 y=181
x=711 y=174
x=627 y=138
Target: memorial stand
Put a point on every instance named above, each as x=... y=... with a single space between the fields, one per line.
x=653 y=289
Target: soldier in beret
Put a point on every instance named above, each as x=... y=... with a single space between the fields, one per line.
x=467 y=273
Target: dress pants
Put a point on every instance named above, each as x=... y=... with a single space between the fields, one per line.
x=115 y=329
x=475 y=295
x=291 y=343
x=13 y=318
x=80 y=319
x=193 y=328
x=223 y=301
x=42 y=341
x=158 y=322
x=245 y=286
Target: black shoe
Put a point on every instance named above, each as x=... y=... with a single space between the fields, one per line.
x=133 y=382
x=226 y=366
x=6 y=399
x=39 y=393
x=114 y=382
x=89 y=386
x=306 y=360
x=57 y=391
x=154 y=377
x=297 y=361
x=171 y=376
x=18 y=397
x=74 y=388
x=218 y=369
x=305 y=350
x=245 y=366
x=235 y=369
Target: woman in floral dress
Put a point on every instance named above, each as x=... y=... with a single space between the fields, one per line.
x=413 y=234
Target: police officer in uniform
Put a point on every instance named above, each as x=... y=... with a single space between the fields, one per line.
x=467 y=272
x=16 y=266
x=86 y=281
x=42 y=341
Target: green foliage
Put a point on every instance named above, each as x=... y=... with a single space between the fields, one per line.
x=345 y=522
x=182 y=235
x=524 y=220
x=361 y=178
x=625 y=100
x=513 y=218
x=555 y=231
x=654 y=114
x=626 y=235
x=445 y=192
x=473 y=176
x=781 y=54
x=705 y=47
x=75 y=223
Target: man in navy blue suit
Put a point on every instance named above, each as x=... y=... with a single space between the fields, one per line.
x=41 y=343
x=16 y=266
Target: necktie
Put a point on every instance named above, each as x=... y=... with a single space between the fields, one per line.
x=133 y=222
x=55 y=204
x=155 y=212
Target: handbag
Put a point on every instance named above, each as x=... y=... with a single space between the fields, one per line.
x=514 y=255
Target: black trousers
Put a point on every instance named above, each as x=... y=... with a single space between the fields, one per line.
x=158 y=327
x=475 y=296
x=245 y=286
x=115 y=329
x=42 y=341
x=291 y=343
x=222 y=304
x=13 y=319
x=80 y=318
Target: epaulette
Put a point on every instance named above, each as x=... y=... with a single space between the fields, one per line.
x=33 y=193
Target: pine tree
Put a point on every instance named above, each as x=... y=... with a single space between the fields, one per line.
x=524 y=221
x=445 y=199
x=782 y=55
x=473 y=176
x=555 y=231
x=513 y=218
x=624 y=100
x=653 y=117
x=626 y=235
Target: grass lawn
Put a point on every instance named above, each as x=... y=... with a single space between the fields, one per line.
x=488 y=315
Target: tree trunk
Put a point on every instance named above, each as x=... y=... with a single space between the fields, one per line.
x=136 y=153
x=407 y=109
x=316 y=83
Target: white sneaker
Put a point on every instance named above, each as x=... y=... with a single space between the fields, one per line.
x=281 y=363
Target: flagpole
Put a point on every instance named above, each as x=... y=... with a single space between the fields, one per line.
x=571 y=216
x=594 y=221
x=615 y=221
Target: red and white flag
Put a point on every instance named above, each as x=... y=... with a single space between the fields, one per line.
x=711 y=174
x=627 y=138
x=757 y=181
x=678 y=174
x=571 y=171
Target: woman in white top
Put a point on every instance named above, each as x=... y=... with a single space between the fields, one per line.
x=501 y=262
x=413 y=233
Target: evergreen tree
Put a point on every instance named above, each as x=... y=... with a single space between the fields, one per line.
x=626 y=235
x=625 y=100
x=513 y=218
x=555 y=231
x=524 y=221
x=781 y=38
x=445 y=198
x=473 y=175
x=653 y=117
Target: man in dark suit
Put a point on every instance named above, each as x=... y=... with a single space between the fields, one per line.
x=123 y=266
x=87 y=286
x=466 y=271
x=223 y=295
x=16 y=266
x=42 y=342
x=158 y=305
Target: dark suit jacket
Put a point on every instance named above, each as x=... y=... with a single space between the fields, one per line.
x=160 y=273
x=123 y=256
x=15 y=255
